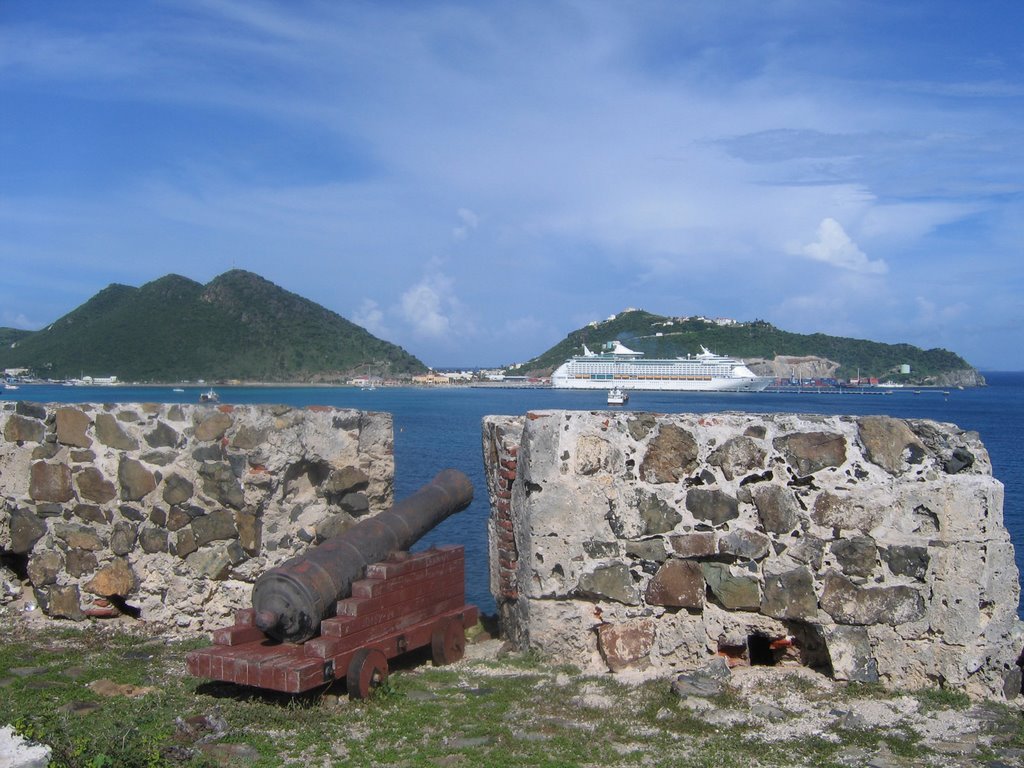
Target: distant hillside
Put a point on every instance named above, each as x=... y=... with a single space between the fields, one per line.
x=658 y=336
x=238 y=326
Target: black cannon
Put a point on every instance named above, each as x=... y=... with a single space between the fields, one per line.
x=292 y=599
x=346 y=606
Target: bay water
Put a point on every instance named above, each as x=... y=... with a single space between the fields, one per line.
x=436 y=428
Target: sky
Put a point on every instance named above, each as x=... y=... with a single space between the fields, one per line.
x=474 y=180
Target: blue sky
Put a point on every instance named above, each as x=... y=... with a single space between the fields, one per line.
x=473 y=180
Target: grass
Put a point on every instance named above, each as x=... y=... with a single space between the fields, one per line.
x=517 y=711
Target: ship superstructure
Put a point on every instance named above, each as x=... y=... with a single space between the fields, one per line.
x=615 y=365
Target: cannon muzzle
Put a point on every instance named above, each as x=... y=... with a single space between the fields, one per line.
x=292 y=599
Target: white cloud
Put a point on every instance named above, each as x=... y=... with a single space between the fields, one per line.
x=370 y=317
x=835 y=247
x=470 y=221
x=423 y=307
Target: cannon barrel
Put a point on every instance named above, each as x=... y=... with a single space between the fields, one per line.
x=292 y=599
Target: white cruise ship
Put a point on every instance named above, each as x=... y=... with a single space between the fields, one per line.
x=617 y=366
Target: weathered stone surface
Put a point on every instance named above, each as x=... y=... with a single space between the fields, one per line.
x=744 y=544
x=211 y=563
x=846 y=511
x=90 y=513
x=810 y=452
x=51 y=482
x=211 y=425
x=651 y=550
x=220 y=483
x=21 y=429
x=185 y=542
x=216 y=526
x=710 y=679
x=356 y=504
x=114 y=580
x=890 y=443
x=700 y=544
x=849 y=604
x=712 y=505
x=641 y=426
x=110 y=433
x=72 y=425
x=250 y=529
x=348 y=479
x=94 y=486
x=610 y=582
x=734 y=592
x=64 y=602
x=906 y=560
x=777 y=508
x=677 y=584
x=790 y=595
x=78 y=536
x=79 y=562
x=128 y=444
x=593 y=454
x=849 y=650
x=856 y=556
x=123 y=537
x=43 y=568
x=626 y=645
x=671 y=455
x=177 y=489
x=738 y=456
x=658 y=516
x=249 y=437
x=153 y=540
x=26 y=530
x=136 y=481
x=162 y=436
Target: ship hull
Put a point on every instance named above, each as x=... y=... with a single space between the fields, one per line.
x=705 y=385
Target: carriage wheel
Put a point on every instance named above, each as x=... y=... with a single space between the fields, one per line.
x=448 y=642
x=367 y=670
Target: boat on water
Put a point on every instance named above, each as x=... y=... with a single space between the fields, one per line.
x=615 y=365
x=617 y=396
x=209 y=397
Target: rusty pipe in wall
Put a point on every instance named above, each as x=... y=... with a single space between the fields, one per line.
x=292 y=599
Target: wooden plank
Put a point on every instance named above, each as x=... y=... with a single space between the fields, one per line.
x=375 y=588
x=403 y=590
x=417 y=562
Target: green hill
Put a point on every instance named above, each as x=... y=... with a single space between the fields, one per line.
x=238 y=326
x=659 y=336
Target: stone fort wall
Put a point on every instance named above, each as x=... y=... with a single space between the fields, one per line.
x=169 y=512
x=871 y=548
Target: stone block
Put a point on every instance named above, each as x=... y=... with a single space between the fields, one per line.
x=94 y=485
x=790 y=595
x=677 y=584
x=51 y=482
x=626 y=645
x=112 y=434
x=22 y=429
x=610 y=582
x=71 y=426
x=712 y=505
x=671 y=455
x=136 y=481
x=734 y=592
x=810 y=452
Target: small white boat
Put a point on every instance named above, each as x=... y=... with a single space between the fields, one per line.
x=209 y=397
x=178 y=389
x=617 y=397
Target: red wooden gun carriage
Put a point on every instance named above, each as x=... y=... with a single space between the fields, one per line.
x=348 y=605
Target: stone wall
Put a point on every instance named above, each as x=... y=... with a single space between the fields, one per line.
x=169 y=512
x=871 y=548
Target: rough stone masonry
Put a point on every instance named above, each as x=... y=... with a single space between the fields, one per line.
x=169 y=512
x=872 y=548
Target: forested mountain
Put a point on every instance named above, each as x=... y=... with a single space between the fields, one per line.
x=760 y=344
x=238 y=326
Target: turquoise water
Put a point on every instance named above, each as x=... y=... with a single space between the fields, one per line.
x=438 y=428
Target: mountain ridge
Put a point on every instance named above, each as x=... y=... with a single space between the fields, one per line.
x=764 y=347
x=237 y=326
